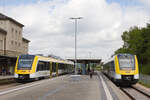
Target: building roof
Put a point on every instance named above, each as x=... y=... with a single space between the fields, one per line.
x=4 y=17
x=24 y=39
x=3 y=31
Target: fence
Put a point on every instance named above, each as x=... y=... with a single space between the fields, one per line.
x=145 y=79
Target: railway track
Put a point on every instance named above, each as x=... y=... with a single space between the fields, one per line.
x=135 y=94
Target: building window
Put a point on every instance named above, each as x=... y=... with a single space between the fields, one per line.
x=16 y=36
x=12 y=30
x=12 y=35
x=16 y=31
x=19 y=32
x=19 y=44
x=1 y=44
x=12 y=42
x=15 y=43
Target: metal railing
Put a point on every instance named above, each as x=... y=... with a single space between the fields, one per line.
x=145 y=79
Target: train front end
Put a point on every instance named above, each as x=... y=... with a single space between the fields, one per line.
x=25 y=66
x=127 y=71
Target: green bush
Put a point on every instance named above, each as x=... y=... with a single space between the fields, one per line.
x=98 y=68
x=142 y=83
x=145 y=69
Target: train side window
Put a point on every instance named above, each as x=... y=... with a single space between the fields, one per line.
x=66 y=67
x=61 y=66
x=43 y=66
x=112 y=65
x=47 y=65
x=40 y=66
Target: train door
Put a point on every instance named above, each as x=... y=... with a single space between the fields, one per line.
x=56 y=69
x=61 y=68
x=53 y=69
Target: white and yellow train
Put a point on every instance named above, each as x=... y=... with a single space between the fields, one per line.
x=32 y=67
x=122 y=69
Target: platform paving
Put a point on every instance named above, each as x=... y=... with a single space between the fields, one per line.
x=3 y=77
x=67 y=87
x=61 y=88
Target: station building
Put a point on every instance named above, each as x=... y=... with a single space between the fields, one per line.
x=12 y=43
x=86 y=63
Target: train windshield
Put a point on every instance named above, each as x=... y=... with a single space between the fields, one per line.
x=25 y=62
x=126 y=61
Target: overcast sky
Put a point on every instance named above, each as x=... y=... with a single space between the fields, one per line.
x=48 y=27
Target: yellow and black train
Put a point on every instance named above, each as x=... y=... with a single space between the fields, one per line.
x=32 y=67
x=122 y=69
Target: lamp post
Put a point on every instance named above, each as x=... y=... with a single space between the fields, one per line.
x=75 y=19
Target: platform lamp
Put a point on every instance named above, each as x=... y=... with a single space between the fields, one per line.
x=75 y=19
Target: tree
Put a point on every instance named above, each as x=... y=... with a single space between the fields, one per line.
x=131 y=39
x=137 y=41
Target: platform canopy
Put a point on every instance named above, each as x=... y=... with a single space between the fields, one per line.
x=87 y=60
x=7 y=57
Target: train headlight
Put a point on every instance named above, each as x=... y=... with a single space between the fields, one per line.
x=16 y=75
x=118 y=76
x=136 y=76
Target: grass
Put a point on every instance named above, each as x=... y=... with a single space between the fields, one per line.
x=98 y=69
x=146 y=85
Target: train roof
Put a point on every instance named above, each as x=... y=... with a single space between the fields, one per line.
x=110 y=59
x=113 y=57
x=122 y=54
x=49 y=59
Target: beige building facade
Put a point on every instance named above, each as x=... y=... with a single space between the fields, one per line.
x=12 y=42
x=15 y=43
x=3 y=34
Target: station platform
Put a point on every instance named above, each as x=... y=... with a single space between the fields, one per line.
x=67 y=87
x=4 y=77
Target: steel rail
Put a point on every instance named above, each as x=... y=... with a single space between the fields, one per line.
x=132 y=97
x=128 y=94
x=147 y=95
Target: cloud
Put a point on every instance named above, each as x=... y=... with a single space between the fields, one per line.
x=146 y=2
x=50 y=30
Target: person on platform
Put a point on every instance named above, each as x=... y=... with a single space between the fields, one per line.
x=91 y=73
x=3 y=71
x=88 y=71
